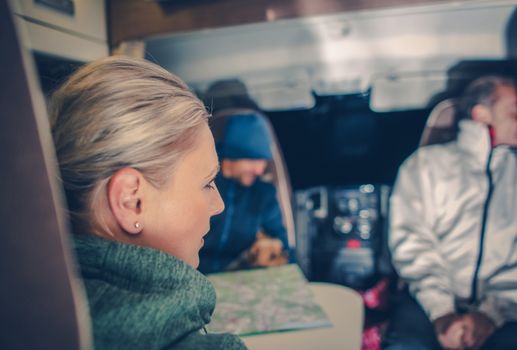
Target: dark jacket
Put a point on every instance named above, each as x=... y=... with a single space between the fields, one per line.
x=248 y=210
x=141 y=298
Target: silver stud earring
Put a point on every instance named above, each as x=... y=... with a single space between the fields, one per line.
x=137 y=225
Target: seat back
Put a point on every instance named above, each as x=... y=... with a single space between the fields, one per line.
x=41 y=300
x=441 y=124
x=276 y=171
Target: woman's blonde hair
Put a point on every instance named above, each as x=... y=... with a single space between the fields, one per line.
x=119 y=112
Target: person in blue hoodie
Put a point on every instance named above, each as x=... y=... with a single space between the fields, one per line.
x=250 y=233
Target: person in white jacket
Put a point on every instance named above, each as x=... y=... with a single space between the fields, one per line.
x=453 y=231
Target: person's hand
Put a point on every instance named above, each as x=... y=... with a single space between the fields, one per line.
x=267 y=251
x=450 y=330
x=478 y=328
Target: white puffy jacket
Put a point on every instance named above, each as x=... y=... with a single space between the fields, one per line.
x=453 y=224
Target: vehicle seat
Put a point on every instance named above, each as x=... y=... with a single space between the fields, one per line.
x=276 y=171
x=441 y=126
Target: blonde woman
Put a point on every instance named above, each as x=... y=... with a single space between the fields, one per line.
x=137 y=162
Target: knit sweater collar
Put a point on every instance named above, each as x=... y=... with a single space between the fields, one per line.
x=474 y=140
x=162 y=295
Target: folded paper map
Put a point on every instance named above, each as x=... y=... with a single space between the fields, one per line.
x=264 y=300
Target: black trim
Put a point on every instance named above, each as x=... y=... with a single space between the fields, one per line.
x=474 y=289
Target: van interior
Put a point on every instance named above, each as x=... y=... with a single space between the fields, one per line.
x=347 y=86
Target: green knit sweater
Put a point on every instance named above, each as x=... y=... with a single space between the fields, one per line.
x=141 y=298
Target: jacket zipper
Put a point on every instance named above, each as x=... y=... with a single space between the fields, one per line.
x=474 y=287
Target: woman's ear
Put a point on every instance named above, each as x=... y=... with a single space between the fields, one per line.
x=124 y=197
x=482 y=114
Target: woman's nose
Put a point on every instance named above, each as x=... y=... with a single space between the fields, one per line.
x=218 y=206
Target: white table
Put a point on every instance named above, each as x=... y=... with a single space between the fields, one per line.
x=343 y=306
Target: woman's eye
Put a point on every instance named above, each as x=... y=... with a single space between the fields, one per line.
x=210 y=185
